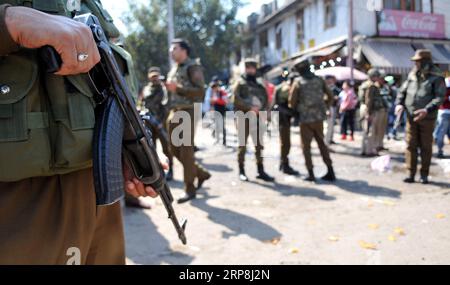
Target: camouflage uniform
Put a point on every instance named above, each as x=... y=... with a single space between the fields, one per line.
x=372 y=116
x=189 y=78
x=156 y=100
x=311 y=98
x=249 y=93
x=424 y=89
x=281 y=104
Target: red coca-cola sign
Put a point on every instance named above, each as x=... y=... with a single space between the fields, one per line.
x=397 y=23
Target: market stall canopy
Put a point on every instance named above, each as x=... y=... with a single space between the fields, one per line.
x=341 y=73
x=440 y=52
x=393 y=57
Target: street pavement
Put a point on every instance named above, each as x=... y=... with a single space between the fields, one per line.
x=366 y=217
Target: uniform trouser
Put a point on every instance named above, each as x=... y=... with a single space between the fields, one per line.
x=380 y=126
x=185 y=153
x=419 y=136
x=45 y=220
x=442 y=129
x=285 y=141
x=308 y=131
x=331 y=124
x=371 y=130
x=244 y=129
x=156 y=135
x=220 y=123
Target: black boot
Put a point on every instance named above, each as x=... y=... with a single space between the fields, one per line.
x=242 y=175
x=187 y=197
x=310 y=177
x=410 y=179
x=287 y=169
x=263 y=175
x=330 y=175
x=424 y=179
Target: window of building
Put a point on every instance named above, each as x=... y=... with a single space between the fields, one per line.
x=406 y=5
x=263 y=39
x=330 y=13
x=300 y=26
x=279 y=36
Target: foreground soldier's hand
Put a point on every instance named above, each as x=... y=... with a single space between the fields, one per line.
x=136 y=188
x=33 y=29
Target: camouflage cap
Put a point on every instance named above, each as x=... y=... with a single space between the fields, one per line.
x=154 y=71
x=422 y=54
x=374 y=72
x=301 y=62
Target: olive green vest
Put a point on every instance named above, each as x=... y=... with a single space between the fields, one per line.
x=252 y=94
x=46 y=121
x=180 y=75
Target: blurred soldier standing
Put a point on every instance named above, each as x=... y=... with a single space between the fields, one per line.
x=249 y=95
x=333 y=111
x=371 y=104
x=281 y=104
x=47 y=198
x=386 y=95
x=311 y=98
x=421 y=95
x=156 y=100
x=186 y=85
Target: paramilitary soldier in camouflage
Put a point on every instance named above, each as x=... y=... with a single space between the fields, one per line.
x=371 y=113
x=281 y=104
x=421 y=95
x=156 y=100
x=47 y=198
x=186 y=85
x=250 y=97
x=311 y=98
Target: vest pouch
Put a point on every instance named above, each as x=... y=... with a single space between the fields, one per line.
x=24 y=141
x=72 y=124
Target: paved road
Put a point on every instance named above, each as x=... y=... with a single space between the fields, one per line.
x=364 y=218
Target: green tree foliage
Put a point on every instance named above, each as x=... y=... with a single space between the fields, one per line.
x=210 y=26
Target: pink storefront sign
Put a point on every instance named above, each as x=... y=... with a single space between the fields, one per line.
x=395 y=23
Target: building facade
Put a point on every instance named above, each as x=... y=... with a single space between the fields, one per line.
x=386 y=32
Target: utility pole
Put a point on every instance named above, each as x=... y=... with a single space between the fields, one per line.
x=350 y=62
x=170 y=26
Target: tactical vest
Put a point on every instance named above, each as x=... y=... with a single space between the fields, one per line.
x=46 y=121
x=311 y=104
x=180 y=75
x=283 y=94
x=252 y=94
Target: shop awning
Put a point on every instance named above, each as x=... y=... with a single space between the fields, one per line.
x=393 y=57
x=327 y=50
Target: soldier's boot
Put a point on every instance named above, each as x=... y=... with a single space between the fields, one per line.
x=242 y=175
x=287 y=169
x=310 y=177
x=424 y=180
x=330 y=176
x=202 y=178
x=410 y=179
x=189 y=195
x=263 y=175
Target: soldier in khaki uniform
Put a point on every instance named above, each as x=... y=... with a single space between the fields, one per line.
x=186 y=85
x=311 y=98
x=47 y=198
x=250 y=97
x=156 y=100
x=421 y=95
x=281 y=104
x=371 y=113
